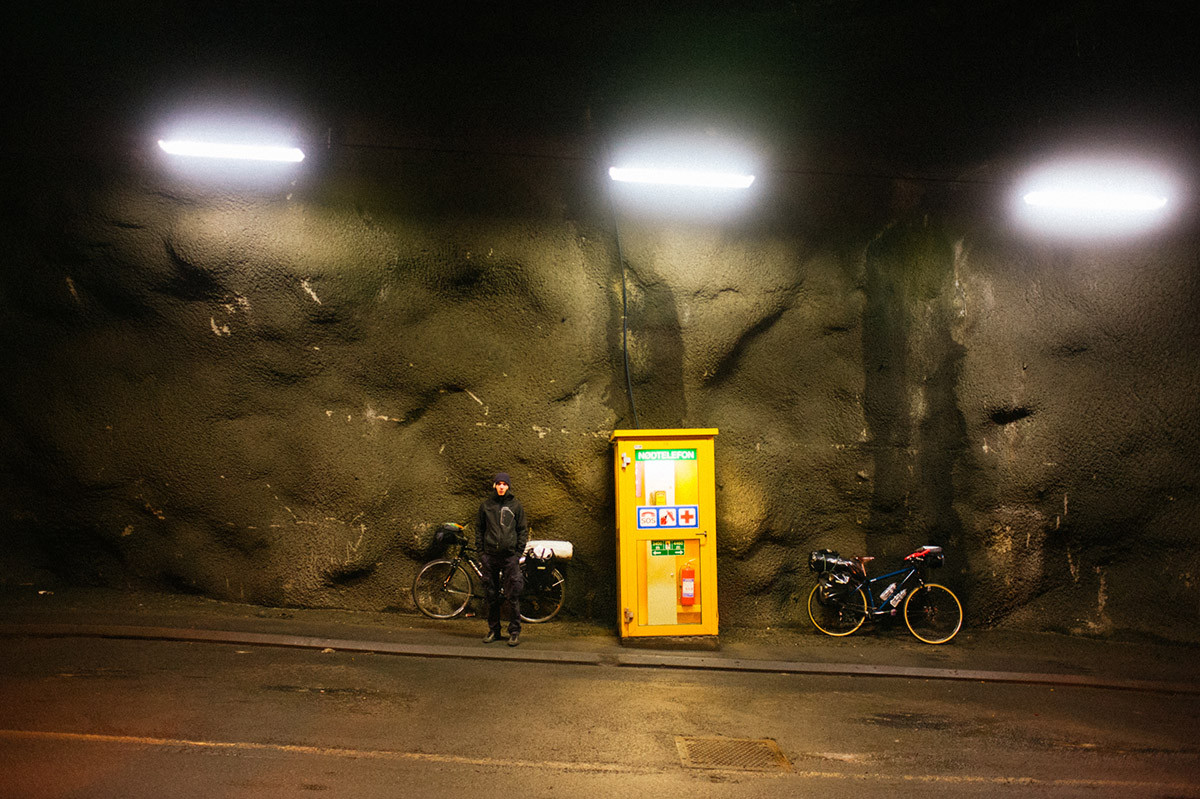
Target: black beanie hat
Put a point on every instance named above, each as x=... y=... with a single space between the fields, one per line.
x=502 y=477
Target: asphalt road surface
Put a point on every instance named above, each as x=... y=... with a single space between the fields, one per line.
x=116 y=718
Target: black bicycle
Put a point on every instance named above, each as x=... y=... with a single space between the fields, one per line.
x=844 y=597
x=444 y=587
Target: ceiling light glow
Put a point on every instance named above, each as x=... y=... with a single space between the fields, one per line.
x=222 y=150
x=1095 y=197
x=681 y=177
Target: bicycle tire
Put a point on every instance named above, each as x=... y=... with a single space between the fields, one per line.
x=442 y=589
x=543 y=596
x=837 y=617
x=933 y=613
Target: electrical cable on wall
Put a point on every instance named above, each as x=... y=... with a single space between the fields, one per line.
x=612 y=206
x=624 y=314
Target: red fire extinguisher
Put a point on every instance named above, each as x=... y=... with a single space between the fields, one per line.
x=687 y=576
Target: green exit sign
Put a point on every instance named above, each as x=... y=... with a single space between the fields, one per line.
x=666 y=548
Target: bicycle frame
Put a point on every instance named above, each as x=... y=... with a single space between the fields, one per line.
x=465 y=555
x=889 y=605
x=475 y=565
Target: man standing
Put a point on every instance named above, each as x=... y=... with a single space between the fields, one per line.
x=500 y=537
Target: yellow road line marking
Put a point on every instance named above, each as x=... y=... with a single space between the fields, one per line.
x=329 y=751
x=967 y=779
x=1185 y=789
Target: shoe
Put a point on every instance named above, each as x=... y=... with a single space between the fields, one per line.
x=491 y=636
x=514 y=639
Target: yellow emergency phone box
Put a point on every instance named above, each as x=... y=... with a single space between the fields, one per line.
x=666 y=532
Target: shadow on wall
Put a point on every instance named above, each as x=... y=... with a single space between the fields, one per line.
x=656 y=352
x=912 y=362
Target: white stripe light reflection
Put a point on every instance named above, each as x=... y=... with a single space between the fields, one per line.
x=681 y=177
x=241 y=152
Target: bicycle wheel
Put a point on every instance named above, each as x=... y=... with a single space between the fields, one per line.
x=933 y=613
x=442 y=589
x=545 y=591
x=837 y=611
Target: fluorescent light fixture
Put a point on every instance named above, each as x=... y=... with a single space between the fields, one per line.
x=681 y=177
x=1095 y=200
x=243 y=152
x=1095 y=196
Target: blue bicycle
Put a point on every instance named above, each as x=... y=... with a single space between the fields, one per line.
x=844 y=597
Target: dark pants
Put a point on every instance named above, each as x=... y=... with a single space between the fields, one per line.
x=499 y=566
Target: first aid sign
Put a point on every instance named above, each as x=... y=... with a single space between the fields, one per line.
x=660 y=516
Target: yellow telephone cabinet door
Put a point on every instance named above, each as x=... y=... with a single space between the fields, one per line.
x=666 y=531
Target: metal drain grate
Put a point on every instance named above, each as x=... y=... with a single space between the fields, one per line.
x=739 y=754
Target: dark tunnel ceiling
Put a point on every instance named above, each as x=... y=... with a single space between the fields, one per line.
x=926 y=82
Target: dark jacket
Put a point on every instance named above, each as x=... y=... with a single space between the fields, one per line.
x=500 y=525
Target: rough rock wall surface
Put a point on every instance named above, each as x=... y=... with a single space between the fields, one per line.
x=275 y=393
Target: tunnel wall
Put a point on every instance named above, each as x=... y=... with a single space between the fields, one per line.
x=272 y=389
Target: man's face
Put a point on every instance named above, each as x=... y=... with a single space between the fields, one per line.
x=501 y=489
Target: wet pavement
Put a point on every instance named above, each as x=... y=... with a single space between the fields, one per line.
x=994 y=655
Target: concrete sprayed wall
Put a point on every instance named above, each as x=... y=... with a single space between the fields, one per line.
x=274 y=391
